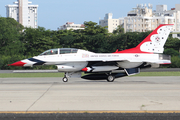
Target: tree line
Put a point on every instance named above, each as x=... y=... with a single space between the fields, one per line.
x=18 y=42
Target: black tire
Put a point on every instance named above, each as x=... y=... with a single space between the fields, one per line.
x=65 y=79
x=110 y=78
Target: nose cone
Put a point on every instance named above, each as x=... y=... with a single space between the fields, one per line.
x=19 y=63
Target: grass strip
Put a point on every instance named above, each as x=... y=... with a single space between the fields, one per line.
x=175 y=73
x=30 y=75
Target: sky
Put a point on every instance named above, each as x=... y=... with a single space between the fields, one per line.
x=55 y=13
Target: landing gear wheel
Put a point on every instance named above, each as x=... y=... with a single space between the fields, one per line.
x=110 y=78
x=65 y=79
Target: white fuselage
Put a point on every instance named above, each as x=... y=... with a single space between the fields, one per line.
x=79 y=60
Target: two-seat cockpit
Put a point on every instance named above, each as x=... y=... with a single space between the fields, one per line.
x=59 y=51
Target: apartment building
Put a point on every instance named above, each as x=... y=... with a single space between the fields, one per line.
x=24 y=13
x=71 y=25
x=111 y=23
x=143 y=18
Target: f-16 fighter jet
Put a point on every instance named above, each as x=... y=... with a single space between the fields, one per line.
x=107 y=66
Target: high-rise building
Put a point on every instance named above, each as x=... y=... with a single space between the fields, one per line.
x=143 y=18
x=24 y=13
x=111 y=23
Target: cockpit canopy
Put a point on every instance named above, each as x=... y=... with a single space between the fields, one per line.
x=67 y=50
x=59 y=51
x=50 y=52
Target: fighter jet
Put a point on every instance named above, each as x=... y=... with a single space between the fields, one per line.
x=107 y=66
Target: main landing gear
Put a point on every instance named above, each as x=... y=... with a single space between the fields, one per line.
x=110 y=78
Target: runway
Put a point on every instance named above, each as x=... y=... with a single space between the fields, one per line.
x=124 y=94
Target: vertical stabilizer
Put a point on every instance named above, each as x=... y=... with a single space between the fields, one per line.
x=154 y=42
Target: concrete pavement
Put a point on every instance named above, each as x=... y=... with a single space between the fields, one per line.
x=124 y=94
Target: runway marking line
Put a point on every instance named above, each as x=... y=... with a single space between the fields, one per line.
x=50 y=112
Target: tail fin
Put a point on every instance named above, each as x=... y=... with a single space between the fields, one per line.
x=154 y=42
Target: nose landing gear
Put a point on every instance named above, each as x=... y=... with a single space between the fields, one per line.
x=65 y=78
